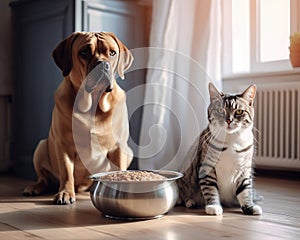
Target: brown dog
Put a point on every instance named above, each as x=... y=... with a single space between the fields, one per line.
x=89 y=129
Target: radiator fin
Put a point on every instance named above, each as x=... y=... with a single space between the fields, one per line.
x=278 y=123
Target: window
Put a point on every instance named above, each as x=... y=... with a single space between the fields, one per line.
x=256 y=35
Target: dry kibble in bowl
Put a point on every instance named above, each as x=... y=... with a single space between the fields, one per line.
x=133 y=176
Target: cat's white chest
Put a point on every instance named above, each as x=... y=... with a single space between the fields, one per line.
x=230 y=163
x=226 y=172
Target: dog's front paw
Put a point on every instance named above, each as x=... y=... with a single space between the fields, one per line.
x=64 y=197
x=34 y=189
x=214 y=209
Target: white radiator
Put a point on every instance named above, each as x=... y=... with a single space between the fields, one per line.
x=277 y=121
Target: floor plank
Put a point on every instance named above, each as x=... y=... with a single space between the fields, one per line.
x=37 y=218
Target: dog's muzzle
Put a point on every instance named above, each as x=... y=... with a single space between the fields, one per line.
x=99 y=78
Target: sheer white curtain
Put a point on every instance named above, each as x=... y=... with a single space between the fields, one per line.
x=185 y=56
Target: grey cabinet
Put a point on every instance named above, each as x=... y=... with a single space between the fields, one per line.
x=39 y=25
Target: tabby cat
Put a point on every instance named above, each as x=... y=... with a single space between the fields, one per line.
x=220 y=171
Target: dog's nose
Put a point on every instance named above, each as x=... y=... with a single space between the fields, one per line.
x=105 y=65
x=100 y=77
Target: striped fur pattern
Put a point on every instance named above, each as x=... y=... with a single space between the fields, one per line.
x=220 y=170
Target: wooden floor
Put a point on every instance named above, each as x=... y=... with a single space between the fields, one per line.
x=37 y=218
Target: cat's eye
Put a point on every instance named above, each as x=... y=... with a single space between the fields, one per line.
x=86 y=52
x=112 y=53
x=239 y=112
x=220 y=110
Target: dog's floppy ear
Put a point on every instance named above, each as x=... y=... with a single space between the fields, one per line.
x=125 y=57
x=62 y=54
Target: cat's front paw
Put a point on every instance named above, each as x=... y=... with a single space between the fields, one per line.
x=252 y=210
x=214 y=209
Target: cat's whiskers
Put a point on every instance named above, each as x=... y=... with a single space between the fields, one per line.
x=256 y=132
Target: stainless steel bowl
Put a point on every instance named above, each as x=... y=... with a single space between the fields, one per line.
x=135 y=200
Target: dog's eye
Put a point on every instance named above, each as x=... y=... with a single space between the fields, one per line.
x=112 y=53
x=86 y=52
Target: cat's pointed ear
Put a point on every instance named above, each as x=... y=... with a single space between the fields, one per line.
x=249 y=94
x=213 y=91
